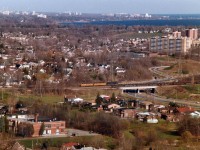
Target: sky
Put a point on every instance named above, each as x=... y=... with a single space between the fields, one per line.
x=105 y=6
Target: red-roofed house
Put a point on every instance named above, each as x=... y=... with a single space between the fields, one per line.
x=69 y=146
x=184 y=110
x=105 y=97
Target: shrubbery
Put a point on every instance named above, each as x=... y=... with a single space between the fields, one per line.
x=190 y=125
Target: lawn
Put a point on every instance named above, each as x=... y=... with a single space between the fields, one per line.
x=47 y=98
x=165 y=130
x=104 y=141
x=193 y=89
x=88 y=94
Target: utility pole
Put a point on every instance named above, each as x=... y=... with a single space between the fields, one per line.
x=32 y=144
x=193 y=81
x=40 y=89
x=112 y=78
x=2 y=93
x=198 y=130
x=179 y=65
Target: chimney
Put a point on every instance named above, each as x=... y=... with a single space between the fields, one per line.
x=36 y=117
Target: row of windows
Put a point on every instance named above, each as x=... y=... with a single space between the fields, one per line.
x=54 y=125
x=170 y=43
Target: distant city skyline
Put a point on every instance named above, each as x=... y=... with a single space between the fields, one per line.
x=104 y=6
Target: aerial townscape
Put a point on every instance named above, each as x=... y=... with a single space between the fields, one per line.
x=99 y=81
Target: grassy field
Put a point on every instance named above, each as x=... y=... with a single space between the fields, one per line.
x=48 y=98
x=88 y=94
x=185 y=92
x=165 y=130
x=186 y=66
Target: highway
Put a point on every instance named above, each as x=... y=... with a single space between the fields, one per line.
x=154 y=97
x=164 y=78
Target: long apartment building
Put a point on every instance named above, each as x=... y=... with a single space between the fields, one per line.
x=170 y=44
x=174 y=43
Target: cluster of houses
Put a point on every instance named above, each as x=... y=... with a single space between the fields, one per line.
x=145 y=111
x=20 y=63
x=65 y=146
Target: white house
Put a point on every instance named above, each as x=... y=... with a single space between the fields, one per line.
x=77 y=100
x=113 y=106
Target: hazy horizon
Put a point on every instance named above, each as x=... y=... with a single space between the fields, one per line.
x=104 y=6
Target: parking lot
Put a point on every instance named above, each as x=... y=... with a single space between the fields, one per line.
x=76 y=132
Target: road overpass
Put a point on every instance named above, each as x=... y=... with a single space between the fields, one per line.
x=138 y=89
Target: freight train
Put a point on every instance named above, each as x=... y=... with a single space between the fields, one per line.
x=99 y=84
x=180 y=81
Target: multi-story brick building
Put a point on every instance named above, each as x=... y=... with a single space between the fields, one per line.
x=51 y=127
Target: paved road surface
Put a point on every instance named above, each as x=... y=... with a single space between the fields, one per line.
x=69 y=133
x=79 y=132
x=162 y=99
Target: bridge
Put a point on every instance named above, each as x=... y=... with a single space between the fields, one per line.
x=138 y=89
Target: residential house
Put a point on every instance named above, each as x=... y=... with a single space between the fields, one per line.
x=170 y=117
x=195 y=114
x=184 y=110
x=179 y=112
x=122 y=103
x=77 y=100
x=133 y=103
x=105 y=97
x=125 y=112
x=146 y=105
x=113 y=106
x=147 y=117
x=174 y=114
x=71 y=146
x=128 y=113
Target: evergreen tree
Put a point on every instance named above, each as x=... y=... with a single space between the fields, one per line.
x=25 y=129
x=42 y=127
x=98 y=100
x=6 y=124
x=2 y=124
x=113 y=98
x=29 y=130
